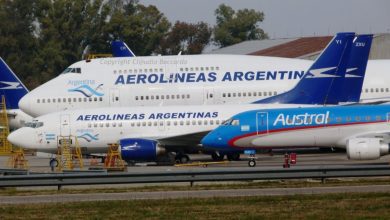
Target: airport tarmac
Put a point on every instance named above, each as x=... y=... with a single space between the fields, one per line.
x=305 y=158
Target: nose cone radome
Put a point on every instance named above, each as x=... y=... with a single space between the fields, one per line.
x=25 y=105
x=23 y=137
x=214 y=140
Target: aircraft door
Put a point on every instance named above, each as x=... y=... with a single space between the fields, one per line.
x=388 y=118
x=65 y=125
x=161 y=125
x=209 y=96
x=114 y=97
x=262 y=123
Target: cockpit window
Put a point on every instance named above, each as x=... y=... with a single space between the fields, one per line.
x=235 y=122
x=227 y=122
x=34 y=124
x=72 y=70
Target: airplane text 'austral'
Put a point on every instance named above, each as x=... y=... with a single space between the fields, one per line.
x=153 y=78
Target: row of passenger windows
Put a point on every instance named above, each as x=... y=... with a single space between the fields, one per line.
x=348 y=119
x=59 y=100
x=162 y=97
x=157 y=123
x=244 y=94
x=156 y=70
x=211 y=68
x=372 y=90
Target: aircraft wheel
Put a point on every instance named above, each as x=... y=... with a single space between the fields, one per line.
x=217 y=157
x=233 y=156
x=182 y=158
x=252 y=163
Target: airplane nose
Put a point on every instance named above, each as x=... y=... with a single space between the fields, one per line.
x=212 y=140
x=25 y=105
x=22 y=137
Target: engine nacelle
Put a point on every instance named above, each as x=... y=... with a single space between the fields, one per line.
x=366 y=148
x=135 y=149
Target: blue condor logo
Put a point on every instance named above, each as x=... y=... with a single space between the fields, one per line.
x=169 y=115
x=87 y=91
x=89 y=137
x=207 y=77
x=301 y=119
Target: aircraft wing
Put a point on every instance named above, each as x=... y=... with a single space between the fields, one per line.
x=186 y=142
x=384 y=134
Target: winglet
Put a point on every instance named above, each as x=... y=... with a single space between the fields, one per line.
x=120 y=49
x=10 y=86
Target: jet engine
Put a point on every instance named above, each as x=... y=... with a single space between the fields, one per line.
x=136 y=149
x=366 y=148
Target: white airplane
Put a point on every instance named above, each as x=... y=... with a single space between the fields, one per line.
x=181 y=80
x=146 y=132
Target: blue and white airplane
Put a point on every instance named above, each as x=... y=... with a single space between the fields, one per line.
x=181 y=80
x=13 y=90
x=146 y=132
x=363 y=130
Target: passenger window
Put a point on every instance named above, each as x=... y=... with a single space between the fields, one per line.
x=90 y=99
x=234 y=94
x=368 y=118
x=223 y=95
x=43 y=100
x=173 y=96
x=178 y=96
x=157 y=97
x=378 y=118
x=54 y=100
x=69 y=99
x=152 y=97
x=107 y=124
x=48 y=100
x=382 y=90
x=95 y=125
x=136 y=98
x=244 y=94
x=199 y=122
x=144 y=124
x=175 y=123
x=101 y=125
x=89 y=125
x=193 y=122
x=205 y=122
x=188 y=122
x=357 y=118
x=188 y=96
x=149 y=123
x=85 y=99
x=155 y=124
x=142 y=97
x=147 y=97
x=120 y=124
x=181 y=123
x=80 y=99
x=168 y=123
x=132 y=124
x=114 y=124
x=138 y=124
x=95 y=99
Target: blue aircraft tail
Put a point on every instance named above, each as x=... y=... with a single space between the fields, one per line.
x=120 y=49
x=10 y=86
x=356 y=69
x=323 y=82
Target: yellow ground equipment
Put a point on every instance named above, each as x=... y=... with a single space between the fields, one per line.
x=5 y=146
x=17 y=159
x=68 y=155
x=114 y=159
x=98 y=55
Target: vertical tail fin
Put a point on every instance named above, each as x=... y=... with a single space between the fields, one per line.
x=120 y=49
x=10 y=86
x=322 y=83
x=356 y=69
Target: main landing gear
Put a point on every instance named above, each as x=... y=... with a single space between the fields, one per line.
x=216 y=156
x=182 y=158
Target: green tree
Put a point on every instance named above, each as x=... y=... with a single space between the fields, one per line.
x=186 y=38
x=18 y=41
x=141 y=27
x=234 y=27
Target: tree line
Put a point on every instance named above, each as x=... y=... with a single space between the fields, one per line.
x=39 y=38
